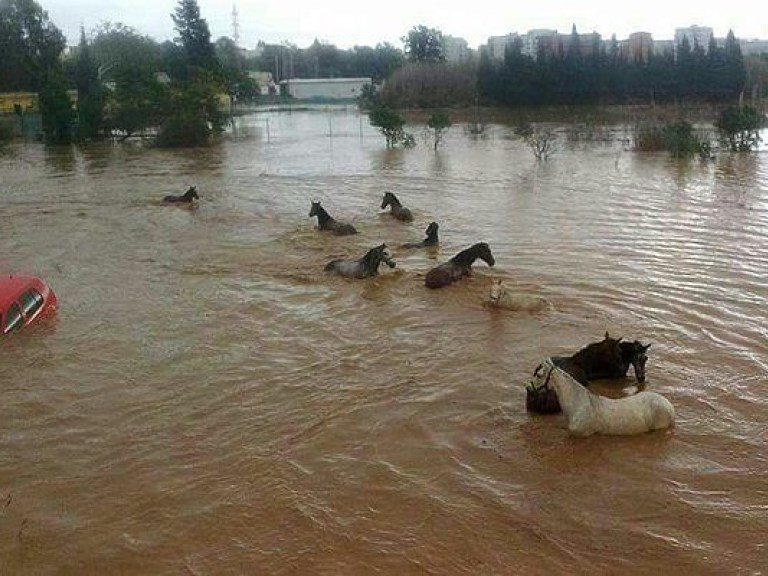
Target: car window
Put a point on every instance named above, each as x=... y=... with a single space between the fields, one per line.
x=13 y=318
x=31 y=301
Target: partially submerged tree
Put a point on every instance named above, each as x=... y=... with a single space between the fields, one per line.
x=740 y=128
x=389 y=123
x=541 y=140
x=195 y=111
x=90 y=93
x=438 y=123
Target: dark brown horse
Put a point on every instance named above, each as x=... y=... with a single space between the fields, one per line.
x=430 y=240
x=187 y=198
x=326 y=222
x=609 y=358
x=458 y=266
x=397 y=210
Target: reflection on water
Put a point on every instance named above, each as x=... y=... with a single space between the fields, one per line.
x=209 y=401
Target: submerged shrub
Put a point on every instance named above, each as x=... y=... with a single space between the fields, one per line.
x=680 y=140
x=739 y=128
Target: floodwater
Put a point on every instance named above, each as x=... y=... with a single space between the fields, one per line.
x=208 y=401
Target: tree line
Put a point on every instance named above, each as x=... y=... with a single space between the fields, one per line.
x=607 y=76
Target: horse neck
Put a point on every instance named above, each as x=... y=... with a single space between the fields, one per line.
x=465 y=258
x=371 y=261
x=627 y=355
x=394 y=202
x=570 y=393
x=593 y=358
x=322 y=216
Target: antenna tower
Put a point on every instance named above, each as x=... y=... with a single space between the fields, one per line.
x=235 y=26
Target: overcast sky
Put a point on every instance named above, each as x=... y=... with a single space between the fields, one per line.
x=346 y=23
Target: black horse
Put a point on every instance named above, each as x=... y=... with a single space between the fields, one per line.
x=365 y=267
x=326 y=222
x=397 y=210
x=430 y=240
x=458 y=266
x=187 y=198
x=609 y=358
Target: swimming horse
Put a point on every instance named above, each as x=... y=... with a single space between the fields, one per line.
x=397 y=210
x=587 y=413
x=502 y=297
x=608 y=358
x=185 y=198
x=458 y=266
x=326 y=222
x=430 y=240
x=365 y=267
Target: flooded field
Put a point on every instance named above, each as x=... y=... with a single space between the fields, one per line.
x=208 y=401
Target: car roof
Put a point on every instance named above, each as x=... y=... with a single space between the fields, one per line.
x=13 y=285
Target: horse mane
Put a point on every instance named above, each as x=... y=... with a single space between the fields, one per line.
x=431 y=232
x=597 y=352
x=392 y=199
x=373 y=256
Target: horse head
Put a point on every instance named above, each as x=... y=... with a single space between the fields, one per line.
x=541 y=376
x=498 y=289
x=388 y=199
x=483 y=251
x=634 y=353
x=431 y=231
x=315 y=209
x=376 y=256
x=192 y=193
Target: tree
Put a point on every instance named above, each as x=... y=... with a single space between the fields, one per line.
x=195 y=113
x=56 y=108
x=194 y=35
x=439 y=122
x=90 y=94
x=131 y=65
x=31 y=45
x=424 y=44
x=539 y=139
x=740 y=128
x=389 y=123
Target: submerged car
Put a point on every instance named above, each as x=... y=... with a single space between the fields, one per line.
x=23 y=300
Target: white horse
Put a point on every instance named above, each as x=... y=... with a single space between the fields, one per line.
x=588 y=413
x=502 y=297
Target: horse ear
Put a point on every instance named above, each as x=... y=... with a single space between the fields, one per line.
x=645 y=347
x=607 y=337
x=620 y=338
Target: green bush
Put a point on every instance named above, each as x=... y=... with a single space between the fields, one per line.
x=681 y=141
x=739 y=128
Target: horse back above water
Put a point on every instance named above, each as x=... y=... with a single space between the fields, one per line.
x=431 y=239
x=608 y=358
x=459 y=266
x=187 y=198
x=397 y=210
x=365 y=267
x=587 y=413
x=326 y=222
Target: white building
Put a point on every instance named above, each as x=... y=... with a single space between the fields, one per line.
x=700 y=35
x=455 y=49
x=498 y=44
x=323 y=89
x=531 y=41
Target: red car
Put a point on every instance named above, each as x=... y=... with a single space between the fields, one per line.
x=23 y=299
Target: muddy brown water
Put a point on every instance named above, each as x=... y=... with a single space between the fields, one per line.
x=207 y=401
